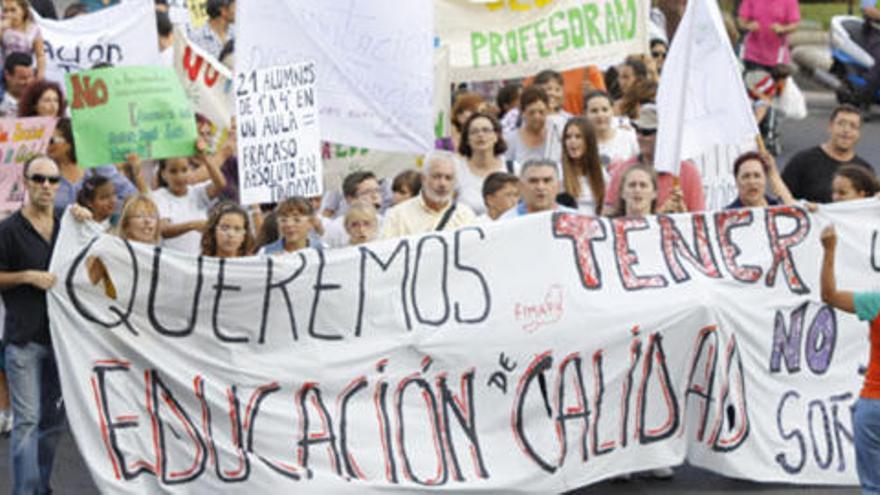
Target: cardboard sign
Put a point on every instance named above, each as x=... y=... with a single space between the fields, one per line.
x=535 y=355
x=279 y=143
x=121 y=35
x=20 y=139
x=507 y=39
x=125 y=110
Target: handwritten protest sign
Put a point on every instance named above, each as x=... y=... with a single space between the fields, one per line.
x=279 y=146
x=20 y=139
x=375 y=61
x=121 y=35
x=519 y=38
x=207 y=84
x=125 y=110
x=535 y=355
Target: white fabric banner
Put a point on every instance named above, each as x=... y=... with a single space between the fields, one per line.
x=279 y=143
x=701 y=101
x=207 y=83
x=535 y=355
x=124 y=34
x=514 y=38
x=375 y=61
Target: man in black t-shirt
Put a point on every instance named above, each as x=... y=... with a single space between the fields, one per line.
x=809 y=173
x=26 y=241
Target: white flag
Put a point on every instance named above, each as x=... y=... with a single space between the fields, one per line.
x=702 y=100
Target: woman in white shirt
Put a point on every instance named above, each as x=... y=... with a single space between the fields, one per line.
x=583 y=176
x=617 y=144
x=483 y=147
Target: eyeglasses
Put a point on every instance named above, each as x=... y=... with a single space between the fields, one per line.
x=285 y=219
x=646 y=132
x=231 y=229
x=42 y=179
x=658 y=54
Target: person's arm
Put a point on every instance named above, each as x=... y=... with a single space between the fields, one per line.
x=40 y=55
x=777 y=185
x=870 y=10
x=38 y=278
x=133 y=171
x=791 y=177
x=212 y=164
x=842 y=300
x=171 y=230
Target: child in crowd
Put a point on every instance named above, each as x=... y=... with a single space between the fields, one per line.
x=183 y=209
x=98 y=195
x=293 y=217
x=21 y=34
x=228 y=232
x=406 y=185
x=361 y=223
x=853 y=182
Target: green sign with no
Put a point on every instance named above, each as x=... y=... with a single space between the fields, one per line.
x=121 y=110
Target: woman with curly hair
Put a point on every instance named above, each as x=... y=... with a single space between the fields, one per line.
x=42 y=99
x=228 y=232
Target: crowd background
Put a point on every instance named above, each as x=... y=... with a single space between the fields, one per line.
x=582 y=140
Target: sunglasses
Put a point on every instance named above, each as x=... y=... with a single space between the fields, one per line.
x=42 y=179
x=646 y=132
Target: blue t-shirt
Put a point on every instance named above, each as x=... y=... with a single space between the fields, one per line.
x=867 y=305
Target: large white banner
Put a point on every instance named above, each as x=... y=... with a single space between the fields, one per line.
x=375 y=59
x=536 y=355
x=124 y=34
x=514 y=38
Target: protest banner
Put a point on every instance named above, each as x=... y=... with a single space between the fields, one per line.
x=20 y=139
x=375 y=61
x=507 y=39
x=122 y=110
x=279 y=143
x=207 y=84
x=534 y=355
x=121 y=35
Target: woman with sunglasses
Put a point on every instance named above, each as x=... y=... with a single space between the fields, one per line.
x=62 y=150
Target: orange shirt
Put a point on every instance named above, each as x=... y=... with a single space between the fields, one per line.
x=871 y=388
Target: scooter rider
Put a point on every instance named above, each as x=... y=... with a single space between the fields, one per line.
x=871 y=10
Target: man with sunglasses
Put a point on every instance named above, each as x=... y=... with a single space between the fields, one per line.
x=27 y=238
x=686 y=195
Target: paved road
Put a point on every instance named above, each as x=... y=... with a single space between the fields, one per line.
x=71 y=476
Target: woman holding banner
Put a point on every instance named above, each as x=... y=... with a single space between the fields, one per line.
x=752 y=170
x=866 y=414
x=228 y=233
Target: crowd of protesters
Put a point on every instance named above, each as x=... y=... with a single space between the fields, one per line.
x=537 y=145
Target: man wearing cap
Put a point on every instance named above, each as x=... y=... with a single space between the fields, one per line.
x=687 y=195
x=218 y=30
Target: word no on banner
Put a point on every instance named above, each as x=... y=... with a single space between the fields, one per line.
x=279 y=143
